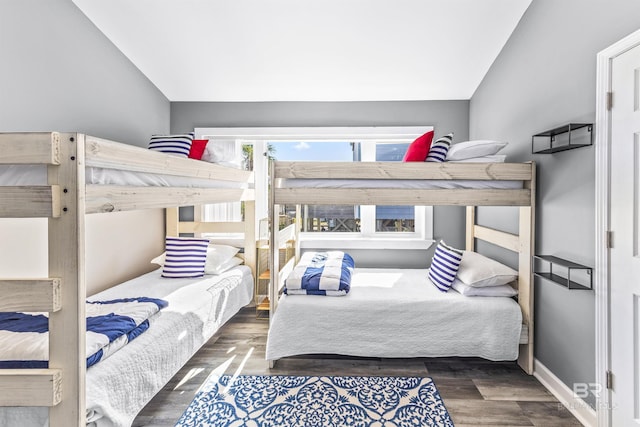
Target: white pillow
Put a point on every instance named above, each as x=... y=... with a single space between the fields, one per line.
x=219 y=151
x=227 y=265
x=217 y=256
x=489 y=291
x=469 y=149
x=479 y=271
x=495 y=158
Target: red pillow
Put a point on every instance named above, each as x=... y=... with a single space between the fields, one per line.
x=419 y=149
x=197 y=148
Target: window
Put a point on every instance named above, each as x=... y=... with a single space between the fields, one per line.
x=320 y=218
x=334 y=222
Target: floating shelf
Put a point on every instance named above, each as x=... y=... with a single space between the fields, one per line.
x=265 y=275
x=264 y=305
x=568 y=266
x=554 y=140
x=261 y=285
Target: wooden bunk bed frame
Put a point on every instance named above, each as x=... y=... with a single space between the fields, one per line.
x=65 y=201
x=524 y=198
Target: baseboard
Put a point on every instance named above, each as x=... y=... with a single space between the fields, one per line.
x=578 y=407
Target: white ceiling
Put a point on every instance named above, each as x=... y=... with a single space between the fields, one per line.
x=297 y=50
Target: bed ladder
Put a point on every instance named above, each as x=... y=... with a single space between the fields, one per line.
x=30 y=387
x=61 y=387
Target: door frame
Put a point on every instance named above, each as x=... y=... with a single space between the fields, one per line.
x=603 y=206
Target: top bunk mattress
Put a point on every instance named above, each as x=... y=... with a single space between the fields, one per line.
x=395 y=313
x=16 y=175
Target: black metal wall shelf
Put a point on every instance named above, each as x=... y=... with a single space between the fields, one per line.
x=568 y=266
x=577 y=135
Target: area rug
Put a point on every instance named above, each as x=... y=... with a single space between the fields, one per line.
x=289 y=401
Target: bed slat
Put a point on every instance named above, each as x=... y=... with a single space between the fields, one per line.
x=30 y=387
x=32 y=295
x=113 y=155
x=412 y=197
x=30 y=148
x=404 y=170
x=211 y=227
x=38 y=201
x=497 y=237
x=113 y=198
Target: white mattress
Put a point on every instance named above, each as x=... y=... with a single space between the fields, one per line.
x=399 y=183
x=395 y=313
x=37 y=175
x=120 y=386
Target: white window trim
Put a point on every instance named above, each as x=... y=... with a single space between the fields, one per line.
x=421 y=239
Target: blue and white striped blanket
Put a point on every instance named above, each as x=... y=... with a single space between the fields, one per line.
x=24 y=337
x=321 y=273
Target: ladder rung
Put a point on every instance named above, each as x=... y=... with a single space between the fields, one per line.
x=30 y=295
x=30 y=387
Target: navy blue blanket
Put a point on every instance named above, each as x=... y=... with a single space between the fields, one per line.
x=24 y=337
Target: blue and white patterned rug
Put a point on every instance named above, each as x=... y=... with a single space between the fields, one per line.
x=287 y=401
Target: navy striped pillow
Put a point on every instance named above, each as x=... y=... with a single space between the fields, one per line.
x=439 y=149
x=444 y=266
x=177 y=145
x=185 y=257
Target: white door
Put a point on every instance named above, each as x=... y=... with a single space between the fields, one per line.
x=625 y=224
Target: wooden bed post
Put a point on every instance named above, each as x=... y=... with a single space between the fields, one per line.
x=172 y=219
x=525 y=287
x=250 y=252
x=298 y=227
x=527 y=234
x=523 y=243
x=67 y=327
x=470 y=241
x=274 y=244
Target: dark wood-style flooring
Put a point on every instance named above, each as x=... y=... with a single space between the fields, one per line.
x=476 y=392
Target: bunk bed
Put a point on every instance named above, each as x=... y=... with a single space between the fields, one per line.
x=411 y=183
x=78 y=173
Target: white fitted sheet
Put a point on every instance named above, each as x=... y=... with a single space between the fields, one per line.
x=117 y=388
x=395 y=313
x=37 y=175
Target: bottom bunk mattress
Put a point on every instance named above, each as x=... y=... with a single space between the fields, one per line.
x=395 y=313
x=118 y=387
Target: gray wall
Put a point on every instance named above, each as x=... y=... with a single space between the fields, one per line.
x=445 y=116
x=544 y=77
x=59 y=72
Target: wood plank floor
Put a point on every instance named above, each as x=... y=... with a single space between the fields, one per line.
x=476 y=392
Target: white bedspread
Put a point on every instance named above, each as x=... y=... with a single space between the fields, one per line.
x=120 y=386
x=395 y=313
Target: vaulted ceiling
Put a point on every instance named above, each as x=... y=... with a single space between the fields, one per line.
x=300 y=50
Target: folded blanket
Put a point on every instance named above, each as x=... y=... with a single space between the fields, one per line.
x=24 y=337
x=321 y=273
